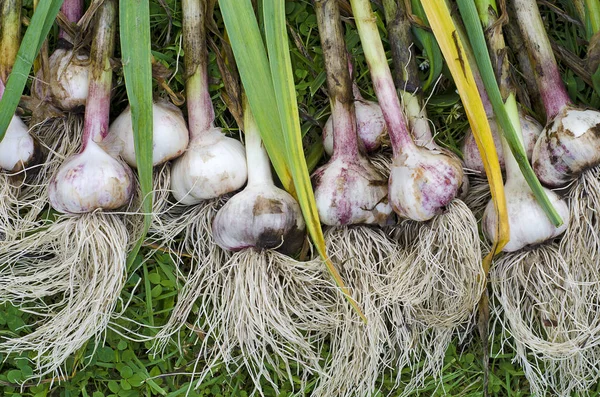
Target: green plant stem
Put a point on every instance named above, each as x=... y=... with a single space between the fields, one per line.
x=593 y=11
x=97 y=109
x=10 y=35
x=201 y=114
x=475 y=33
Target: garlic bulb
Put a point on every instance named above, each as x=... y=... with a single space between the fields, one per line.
x=370 y=123
x=18 y=147
x=423 y=182
x=170 y=133
x=530 y=128
x=569 y=145
x=349 y=190
x=212 y=166
x=260 y=216
x=528 y=223
x=69 y=78
x=90 y=180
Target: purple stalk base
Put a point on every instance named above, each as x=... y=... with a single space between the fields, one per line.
x=392 y=112
x=345 y=137
x=552 y=90
x=97 y=109
x=73 y=10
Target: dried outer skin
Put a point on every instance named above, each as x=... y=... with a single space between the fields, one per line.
x=569 y=145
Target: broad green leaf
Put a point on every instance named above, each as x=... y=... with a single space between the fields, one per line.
x=476 y=37
x=453 y=49
x=134 y=18
x=253 y=65
x=36 y=33
x=285 y=92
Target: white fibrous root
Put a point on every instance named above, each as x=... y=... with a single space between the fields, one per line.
x=370 y=126
x=170 y=134
x=69 y=78
x=91 y=180
x=212 y=165
x=71 y=275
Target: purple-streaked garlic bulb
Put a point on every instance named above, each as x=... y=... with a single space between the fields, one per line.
x=370 y=125
x=570 y=142
x=170 y=133
x=569 y=145
x=348 y=189
x=472 y=158
x=261 y=216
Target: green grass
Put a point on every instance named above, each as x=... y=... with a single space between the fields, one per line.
x=124 y=368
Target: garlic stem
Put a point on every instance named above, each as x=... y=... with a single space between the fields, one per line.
x=382 y=77
x=73 y=10
x=259 y=165
x=345 y=138
x=201 y=113
x=513 y=171
x=552 y=90
x=97 y=110
x=10 y=36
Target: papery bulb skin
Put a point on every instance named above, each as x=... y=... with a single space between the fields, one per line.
x=423 y=182
x=213 y=165
x=351 y=191
x=170 y=136
x=370 y=124
x=18 y=148
x=261 y=216
x=69 y=79
x=569 y=145
x=528 y=223
x=530 y=128
x=89 y=181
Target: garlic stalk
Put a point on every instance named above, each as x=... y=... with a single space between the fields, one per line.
x=213 y=163
x=261 y=216
x=351 y=196
x=422 y=182
x=93 y=179
x=569 y=144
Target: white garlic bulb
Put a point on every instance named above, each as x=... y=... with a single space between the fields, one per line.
x=69 y=78
x=212 y=165
x=170 y=133
x=90 y=180
x=18 y=148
